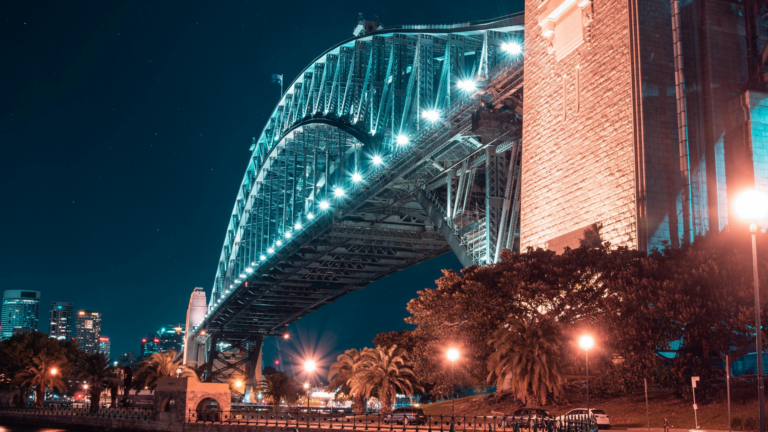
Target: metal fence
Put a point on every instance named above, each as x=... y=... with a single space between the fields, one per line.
x=124 y=413
x=461 y=423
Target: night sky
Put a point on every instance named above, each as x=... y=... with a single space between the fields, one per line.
x=124 y=130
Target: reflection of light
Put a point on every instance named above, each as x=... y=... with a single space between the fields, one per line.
x=377 y=160
x=466 y=85
x=356 y=177
x=298 y=225
x=586 y=342
x=324 y=205
x=431 y=115
x=402 y=140
x=271 y=250
x=453 y=354
x=512 y=47
x=338 y=192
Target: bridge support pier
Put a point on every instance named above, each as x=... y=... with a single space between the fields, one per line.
x=253 y=369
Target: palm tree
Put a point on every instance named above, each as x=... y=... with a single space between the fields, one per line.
x=96 y=373
x=44 y=372
x=526 y=358
x=341 y=373
x=278 y=387
x=384 y=370
x=159 y=365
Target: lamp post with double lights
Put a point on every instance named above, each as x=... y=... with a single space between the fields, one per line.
x=453 y=355
x=752 y=206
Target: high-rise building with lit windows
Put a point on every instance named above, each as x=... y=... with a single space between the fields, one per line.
x=21 y=309
x=62 y=321
x=88 y=331
x=104 y=345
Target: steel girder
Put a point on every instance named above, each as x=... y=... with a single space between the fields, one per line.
x=316 y=217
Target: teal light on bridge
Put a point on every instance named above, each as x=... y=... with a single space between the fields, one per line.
x=377 y=160
x=288 y=234
x=356 y=177
x=310 y=216
x=467 y=85
x=431 y=115
x=271 y=250
x=279 y=243
x=512 y=48
x=324 y=205
x=298 y=225
x=262 y=258
x=402 y=140
x=338 y=192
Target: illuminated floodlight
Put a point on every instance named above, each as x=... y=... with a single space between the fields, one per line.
x=377 y=160
x=512 y=48
x=467 y=85
x=249 y=270
x=402 y=140
x=288 y=234
x=253 y=263
x=310 y=216
x=431 y=115
x=279 y=243
x=356 y=177
x=226 y=292
x=242 y=275
x=231 y=285
x=262 y=258
x=324 y=205
x=298 y=225
x=271 y=250
x=338 y=192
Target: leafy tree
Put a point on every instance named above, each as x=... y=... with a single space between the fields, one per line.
x=40 y=375
x=127 y=374
x=385 y=370
x=279 y=387
x=96 y=372
x=17 y=351
x=341 y=373
x=526 y=357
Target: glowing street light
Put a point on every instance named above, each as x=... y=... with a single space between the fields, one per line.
x=286 y=336
x=306 y=386
x=356 y=177
x=586 y=343
x=431 y=115
x=324 y=205
x=85 y=386
x=238 y=383
x=752 y=207
x=402 y=140
x=306 y=389
x=512 y=48
x=377 y=160
x=453 y=355
x=310 y=365
x=54 y=371
x=467 y=85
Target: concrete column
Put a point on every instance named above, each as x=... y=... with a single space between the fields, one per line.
x=254 y=367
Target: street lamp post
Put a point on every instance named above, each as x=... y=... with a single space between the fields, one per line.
x=306 y=389
x=752 y=206
x=453 y=355
x=309 y=366
x=586 y=342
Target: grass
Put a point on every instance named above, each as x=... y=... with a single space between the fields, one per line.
x=629 y=410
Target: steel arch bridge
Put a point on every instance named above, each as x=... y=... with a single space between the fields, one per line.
x=393 y=147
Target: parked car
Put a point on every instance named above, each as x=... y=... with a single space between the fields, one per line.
x=599 y=416
x=524 y=417
x=406 y=416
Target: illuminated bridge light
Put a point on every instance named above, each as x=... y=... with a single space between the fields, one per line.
x=279 y=243
x=297 y=226
x=356 y=177
x=337 y=192
x=271 y=250
x=242 y=275
x=467 y=85
x=288 y=234
x=310 y=216
x=377 y=160
x=249 y=270
x=431 y=115
x=512 y=48
x=402 y=140
x=231 y=285
x=324 y=205
x=263 y=257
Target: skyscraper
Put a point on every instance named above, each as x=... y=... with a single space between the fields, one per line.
x=62 y=321
x=20 y=311
x=88 y=331
x=104 y=345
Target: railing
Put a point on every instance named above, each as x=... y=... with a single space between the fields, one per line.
x=124 y=413
x=392 y=422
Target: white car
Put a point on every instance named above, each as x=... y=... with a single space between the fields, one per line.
x=601 y=418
